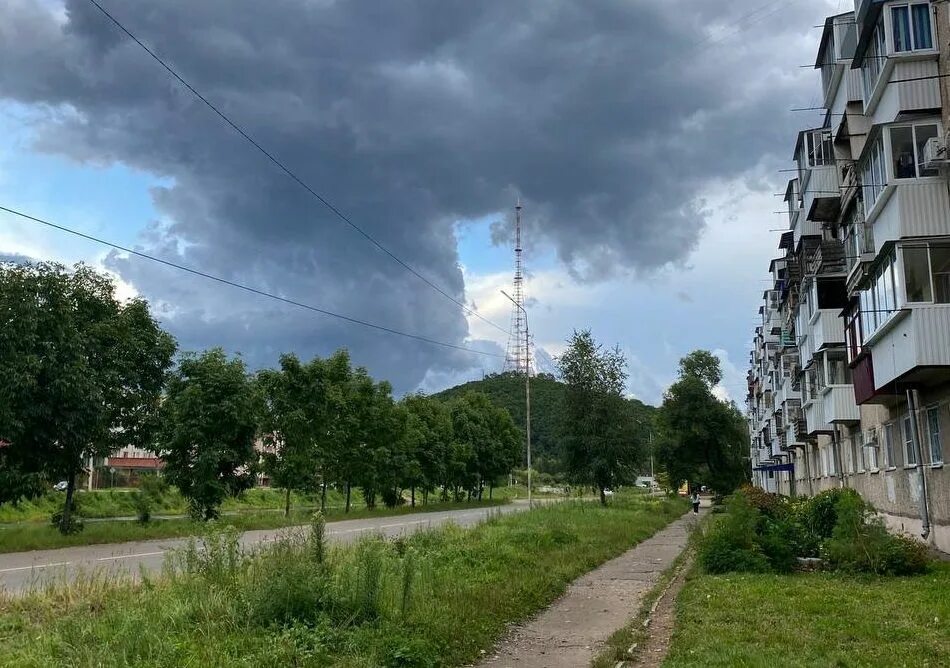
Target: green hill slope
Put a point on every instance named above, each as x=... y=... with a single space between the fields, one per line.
x=507 y=390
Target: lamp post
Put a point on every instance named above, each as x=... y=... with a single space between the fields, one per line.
x=527 y=389
x=641 y=423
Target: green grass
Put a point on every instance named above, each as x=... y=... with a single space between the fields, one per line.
x=26 y=536
x=104 y=503
x=813 y=619
x=436 y=598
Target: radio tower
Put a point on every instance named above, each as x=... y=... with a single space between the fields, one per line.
x=518 y=353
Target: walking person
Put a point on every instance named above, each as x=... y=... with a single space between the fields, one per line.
x=694 y=499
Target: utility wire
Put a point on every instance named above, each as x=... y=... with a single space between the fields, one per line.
x=280 y=165
x=246 y=288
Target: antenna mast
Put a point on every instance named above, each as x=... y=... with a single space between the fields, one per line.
x=518 y=352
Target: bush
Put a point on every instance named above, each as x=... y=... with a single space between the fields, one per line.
x=779 y=542
x=861 y=543
x=143 y=506
x=819 y=514
x=767 y=503
x=731 y=545
x=153 y=485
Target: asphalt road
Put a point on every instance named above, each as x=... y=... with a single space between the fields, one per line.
x=19 y=571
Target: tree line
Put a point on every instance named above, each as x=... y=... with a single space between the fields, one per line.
x=86 y=374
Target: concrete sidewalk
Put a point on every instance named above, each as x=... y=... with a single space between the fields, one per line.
x=571 y=631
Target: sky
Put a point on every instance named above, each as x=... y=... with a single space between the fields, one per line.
x=644 y=139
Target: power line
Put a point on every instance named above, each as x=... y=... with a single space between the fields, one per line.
x=246 y=288
x=280 y=165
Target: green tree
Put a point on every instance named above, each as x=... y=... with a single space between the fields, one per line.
x=82 y=374
x=598 y=429
x=293 y=417
x=428 y=437
x=703 y=439
x=208 y=428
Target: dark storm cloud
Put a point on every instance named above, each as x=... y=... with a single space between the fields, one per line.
x=606 y=117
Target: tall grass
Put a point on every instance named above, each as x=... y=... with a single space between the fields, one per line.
x=41 y=536
x=431 y=599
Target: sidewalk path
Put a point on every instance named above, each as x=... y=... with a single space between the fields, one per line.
x=569 y=633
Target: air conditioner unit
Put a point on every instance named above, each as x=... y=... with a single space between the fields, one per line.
x=935 y=153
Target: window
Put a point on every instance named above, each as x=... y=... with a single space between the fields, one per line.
x=889 y=459
x=879 y=299
x=874 y=174
x=940 y=271
x=917 y=274
x=910 y=454
x=820 y=149
x=839 y=373
x=907 y=150
x=933 y=432
x=858 y=440
x=911 y=27
x=872 y=449
x=874 y=59
x=853 y=333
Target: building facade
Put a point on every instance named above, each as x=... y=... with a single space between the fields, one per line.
x=849 y=382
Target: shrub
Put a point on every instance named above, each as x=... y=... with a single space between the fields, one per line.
x=143 y=506
x=861 y=543
x=153 y=485
x=731 y=544
x=779 y=542
x=767 y=503
x=819 y=514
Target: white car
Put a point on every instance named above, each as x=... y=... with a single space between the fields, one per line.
x=608 y=492
x=61 y=486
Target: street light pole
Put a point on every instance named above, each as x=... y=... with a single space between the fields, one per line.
x=527 y=389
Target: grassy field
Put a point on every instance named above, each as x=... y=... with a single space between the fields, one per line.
x=103 y=503
x=41 y=536
x=436 y=598
x=815 y=619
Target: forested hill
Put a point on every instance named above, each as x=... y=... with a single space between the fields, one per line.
x=507 y=390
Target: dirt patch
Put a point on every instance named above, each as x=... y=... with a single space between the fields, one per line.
x=660 y=623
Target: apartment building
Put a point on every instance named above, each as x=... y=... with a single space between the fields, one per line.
x=850 y=370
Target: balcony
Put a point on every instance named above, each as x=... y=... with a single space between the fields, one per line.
x=821 y=199
x=827 y=329
x=919 y=209
x=815 y=418
x=797 y=425
x=913 y=345
x=839 y=405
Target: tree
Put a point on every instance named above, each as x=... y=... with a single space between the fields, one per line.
x=597 y=426
x=703 y=365
x=208 y=428
x=82 y=374
x=293 y=417
x=703 y=439
x=427 y=439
